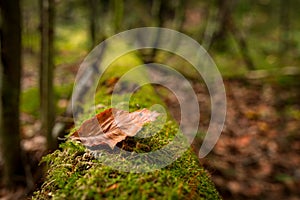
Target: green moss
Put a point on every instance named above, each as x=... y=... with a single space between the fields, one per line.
x=77 y=173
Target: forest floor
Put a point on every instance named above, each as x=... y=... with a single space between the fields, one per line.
x=257 y=155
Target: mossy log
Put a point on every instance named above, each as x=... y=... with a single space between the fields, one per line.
x=74 y=172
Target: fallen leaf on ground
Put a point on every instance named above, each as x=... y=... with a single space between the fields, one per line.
x=112 y=126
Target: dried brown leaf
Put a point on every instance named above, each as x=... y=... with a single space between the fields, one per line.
x=112 y=126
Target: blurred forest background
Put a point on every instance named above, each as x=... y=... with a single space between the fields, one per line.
x=254 y=43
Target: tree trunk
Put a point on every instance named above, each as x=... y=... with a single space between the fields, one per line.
x=284 y=25
x=212 y=25
x=118 y=14
x=93 y=21
x=179 y=15
x=97 y=9
x=14 y=172
x=241 y=41
x=46 y=71
x=157 y=21
x=156 y=12
x=225 y=24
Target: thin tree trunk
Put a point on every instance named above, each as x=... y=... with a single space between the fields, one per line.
x=211 y=28
x=13 y=172
x=118 y=14
x=284 y=25
x=93 y=21
x=156 y=12
x=226 y=25
x=179 y=16
x=241 y=41
x=46 y=71
x=225 y=8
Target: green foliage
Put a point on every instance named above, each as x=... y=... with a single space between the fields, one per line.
x=63 y=91
x=31 y=41
x=30 y=101
x=30 y=98
x=71 y=43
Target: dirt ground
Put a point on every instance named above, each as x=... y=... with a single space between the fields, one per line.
x=258 y=153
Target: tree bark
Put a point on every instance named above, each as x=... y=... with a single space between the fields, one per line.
x=179 y=15
x=225 y=24
x=47 y=106
x=284 y=25
x=14 y=172
x=93 y=21
x=118 y=14
x=97 y=9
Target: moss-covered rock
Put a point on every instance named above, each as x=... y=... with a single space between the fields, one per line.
x=74 y=172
